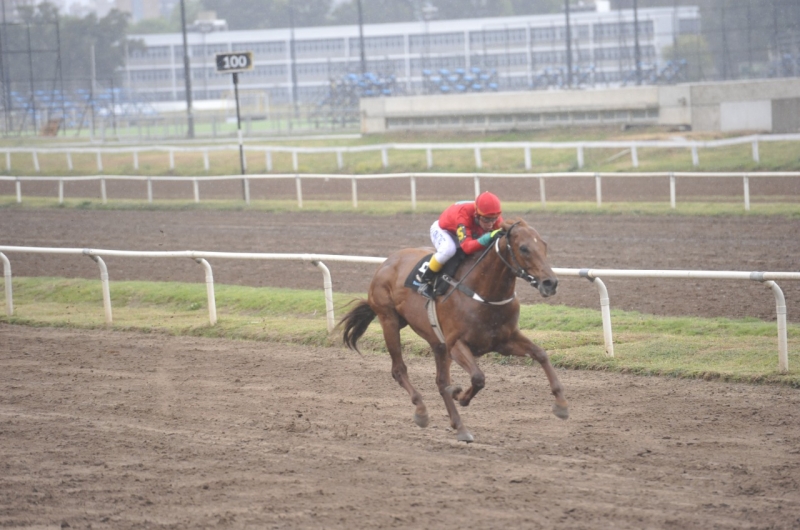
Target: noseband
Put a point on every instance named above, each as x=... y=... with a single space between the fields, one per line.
x=516 y=268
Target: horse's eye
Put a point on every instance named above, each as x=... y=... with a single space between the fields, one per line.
x=523 y=249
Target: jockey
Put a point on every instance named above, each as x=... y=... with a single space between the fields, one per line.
x=472 y=223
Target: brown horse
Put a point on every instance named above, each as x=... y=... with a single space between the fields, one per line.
x=471 y=325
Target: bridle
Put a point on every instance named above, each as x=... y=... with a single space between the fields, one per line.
x=516 y=268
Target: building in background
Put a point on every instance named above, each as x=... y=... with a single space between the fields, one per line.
x=167 y=6
x=139 y=9
x=522 y=52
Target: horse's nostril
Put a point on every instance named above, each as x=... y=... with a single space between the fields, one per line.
x=548 y=283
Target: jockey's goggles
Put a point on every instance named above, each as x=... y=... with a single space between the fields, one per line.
x=489 y=220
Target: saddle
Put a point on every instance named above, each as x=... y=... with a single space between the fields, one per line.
x=439 y=285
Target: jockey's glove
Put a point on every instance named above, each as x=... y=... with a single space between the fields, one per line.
x=486 y=238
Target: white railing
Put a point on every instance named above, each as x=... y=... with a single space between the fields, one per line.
x=767 y=278
x=629 y=147
x=299 y=177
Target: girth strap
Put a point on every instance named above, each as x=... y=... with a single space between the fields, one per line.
x=433 y=319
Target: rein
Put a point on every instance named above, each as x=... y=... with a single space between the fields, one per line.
x=516 y=269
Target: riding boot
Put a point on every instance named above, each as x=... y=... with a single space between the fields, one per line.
x=426 y=284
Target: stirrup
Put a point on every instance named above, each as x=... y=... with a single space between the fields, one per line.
x=426 y=290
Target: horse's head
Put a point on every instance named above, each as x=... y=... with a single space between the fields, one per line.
x=526 y=255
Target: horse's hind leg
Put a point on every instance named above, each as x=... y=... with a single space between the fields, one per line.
x=391 y=334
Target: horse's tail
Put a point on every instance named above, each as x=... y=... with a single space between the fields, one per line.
x=356 y=322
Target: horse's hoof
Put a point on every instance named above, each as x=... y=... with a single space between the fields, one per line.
x=453 y=391
x=560 y=412
x=421 y=420
x=465 y=436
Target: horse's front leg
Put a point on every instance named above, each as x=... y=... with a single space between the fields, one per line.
x=520 y=346
x=462 y=355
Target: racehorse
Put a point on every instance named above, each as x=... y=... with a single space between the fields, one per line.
x=479 y=315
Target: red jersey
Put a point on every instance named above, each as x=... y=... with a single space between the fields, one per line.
x=460 y=219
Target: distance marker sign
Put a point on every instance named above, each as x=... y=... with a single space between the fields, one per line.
x=231 y=63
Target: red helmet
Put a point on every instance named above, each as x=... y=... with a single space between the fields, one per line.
x=488 y=205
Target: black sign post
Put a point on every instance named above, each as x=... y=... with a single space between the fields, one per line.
x=233 y=63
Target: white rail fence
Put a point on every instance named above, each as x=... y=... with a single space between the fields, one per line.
x=766 y=278
x=412 y=177
x=629 y=147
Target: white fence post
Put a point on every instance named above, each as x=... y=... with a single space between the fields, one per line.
x=327 y=286
x=746 y=182
x=35 y=160
x=541 y=192
x=695 y=156
x=212 y=300
x=103 y=195
x=104 y=282
x=478 y=161
x=429 y=157
x=268 y=155
x=8 y=160
x=634 y=155
x=780 y=310
x=69 y=160
x=246 y=184
x=672 y=190
x=136 y=160
x=294 y=161
x=339 y=159
x=196 y=188
x=477 y=182
x=756 y=157
x=7 y=279
x=18 y=186
x=598 y=189
x=528 y=157
x=99 y=161
x=171 y=160
x=580 y=156
x=385 y=157
x=60 y=191
x=149 y=190
x=299 y=188
x=354 y=187
x=413 y=192
x=206 y=161
x=605 y=314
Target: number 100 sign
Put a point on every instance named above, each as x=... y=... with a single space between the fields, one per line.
x=230 y=63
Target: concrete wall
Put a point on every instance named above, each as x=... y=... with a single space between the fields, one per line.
x=768 y=105
x=786 y=115
x=745 y=115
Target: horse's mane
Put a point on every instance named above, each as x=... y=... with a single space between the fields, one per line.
x=508 y=223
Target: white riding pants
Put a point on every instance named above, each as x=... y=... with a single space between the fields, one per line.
x=444 y=242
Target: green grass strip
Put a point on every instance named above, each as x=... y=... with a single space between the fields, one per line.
x=710 y=348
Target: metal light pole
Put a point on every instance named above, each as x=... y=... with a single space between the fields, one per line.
x=637 y=50
x=292 y=58
x=187 y=75
x=361 y=39
x=569 y=45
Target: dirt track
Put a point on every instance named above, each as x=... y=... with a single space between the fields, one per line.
x=115 y=430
